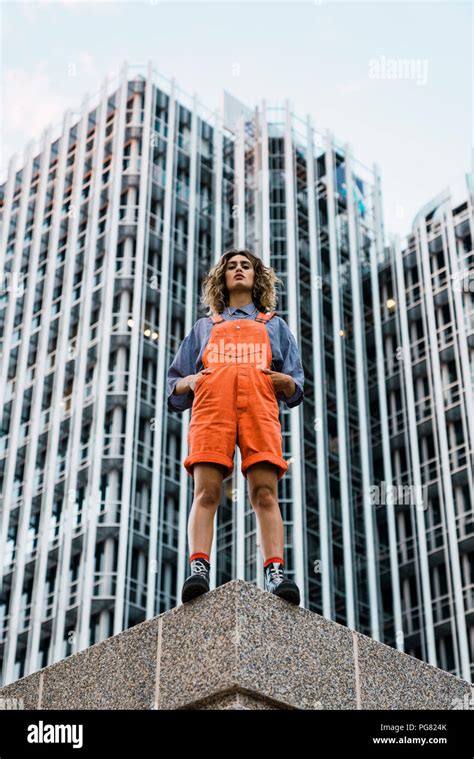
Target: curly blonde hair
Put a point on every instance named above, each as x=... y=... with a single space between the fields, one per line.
x=215 y=294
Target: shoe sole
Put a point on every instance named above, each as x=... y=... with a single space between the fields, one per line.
x=288 y=592
x=192 y=588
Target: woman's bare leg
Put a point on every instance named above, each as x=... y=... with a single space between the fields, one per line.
x=207 y=494
x=263 y=493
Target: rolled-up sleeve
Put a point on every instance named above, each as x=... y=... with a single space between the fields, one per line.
x=291 y=365
x=184 y=363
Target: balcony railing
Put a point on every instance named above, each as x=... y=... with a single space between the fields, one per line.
x=396 y=422
x=435 y=537
x=145 y=454
x=137 y=593
x=465 y=524
x=4 y=624
x=451 y=394
x=442 y=608
x=114 y=445
x=418 y=350
x=120 y=322
x=445 y=336
x=48 y=605
x=141 y=523
x=131 y=165
x=429 y=470
x=458 y=457
x=423 y=409
x=468 y=596
x=118 y=382
x=411 y=620
x=406 y=550
x=109 y=513
x=24 y=617
x=128 y=214
x=73 y=593
x=105 y=584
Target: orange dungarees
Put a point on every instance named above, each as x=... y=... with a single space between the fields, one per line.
x=236 y=402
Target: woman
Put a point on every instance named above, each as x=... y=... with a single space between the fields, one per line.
x=224 y=371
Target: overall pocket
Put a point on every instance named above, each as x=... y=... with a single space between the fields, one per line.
x=199 y=380
x=269 y=380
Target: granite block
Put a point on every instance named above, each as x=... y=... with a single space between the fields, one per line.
x=238 y=699
x=23 y=693
x=118 y=673
x=198 y=649
x=391 y=679
x=239 y=647
x=293 y=655
x=241 y=636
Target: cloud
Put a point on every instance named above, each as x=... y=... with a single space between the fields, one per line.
x=355 y=85
x=30 y=102
x=90 y=6
x=89 y=73
x=33 y=10
x=85 y=64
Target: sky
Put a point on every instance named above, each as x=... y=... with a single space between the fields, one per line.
x=394 y=79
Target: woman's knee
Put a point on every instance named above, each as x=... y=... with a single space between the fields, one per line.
x=263 y=488
x=208 y=484
x=263 y=496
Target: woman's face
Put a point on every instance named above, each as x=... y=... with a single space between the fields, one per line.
x=239 y=275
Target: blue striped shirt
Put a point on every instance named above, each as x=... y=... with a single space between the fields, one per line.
x=188 y=360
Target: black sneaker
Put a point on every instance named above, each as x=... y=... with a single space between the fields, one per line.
x=198 y=582
x=276 y=583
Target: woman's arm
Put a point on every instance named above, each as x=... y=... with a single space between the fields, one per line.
x=292 y=367
x=182 y=386
x=181 y=373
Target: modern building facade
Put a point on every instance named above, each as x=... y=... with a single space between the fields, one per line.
x=425 y=331
x=109 y=226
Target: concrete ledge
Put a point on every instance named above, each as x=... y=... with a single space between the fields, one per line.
x=239 y=647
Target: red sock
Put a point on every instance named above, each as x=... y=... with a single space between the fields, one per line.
x=272 y=559
x=199 y=555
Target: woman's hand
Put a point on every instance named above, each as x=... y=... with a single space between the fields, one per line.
x=185 y=384
x=281 y=382
x=193 y=378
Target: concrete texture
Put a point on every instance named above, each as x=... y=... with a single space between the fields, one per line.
x=239 y=647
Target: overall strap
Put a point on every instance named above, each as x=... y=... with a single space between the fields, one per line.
x=265 y=317
x=216 y=318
